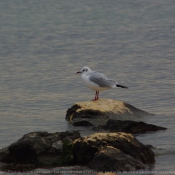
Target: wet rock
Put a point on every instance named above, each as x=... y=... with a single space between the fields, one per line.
x=41 y=148
x=130 y=126
x=113 y=159
x=84 y=149
x=68 y=148
x=100 y=111
x=82 y=123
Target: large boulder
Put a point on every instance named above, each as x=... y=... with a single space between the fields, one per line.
x=84 y=149
x=40 y=148
x=100 y=111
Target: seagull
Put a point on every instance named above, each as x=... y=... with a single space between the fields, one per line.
x=97 y=81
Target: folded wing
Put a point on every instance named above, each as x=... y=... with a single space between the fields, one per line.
x=101 y=80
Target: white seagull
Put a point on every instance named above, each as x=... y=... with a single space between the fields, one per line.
x=97 y=81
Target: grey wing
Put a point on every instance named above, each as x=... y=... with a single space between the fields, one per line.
x=101 y=80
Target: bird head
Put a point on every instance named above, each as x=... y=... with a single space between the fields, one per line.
x=85 y=69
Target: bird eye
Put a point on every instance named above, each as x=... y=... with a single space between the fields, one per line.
x=83 y=70
x=86 y=70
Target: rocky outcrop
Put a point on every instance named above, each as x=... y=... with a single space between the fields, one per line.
x=68 y=148
x=116 y=150
x=90 y=147
x=129 y=126
x=100 y=111
x=40 y=148
x=110 y=115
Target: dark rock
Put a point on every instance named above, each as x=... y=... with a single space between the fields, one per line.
x=68 y=148
x=85 y=148
x=82 y=123
x=113 y=159
x=100 y=111
x=94 y=117
x=12 y=168
x=39 y=148
x=130 y=126
x=71 y=111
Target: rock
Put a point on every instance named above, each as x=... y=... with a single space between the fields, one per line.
x=68 y=148
x=82 y=123
x=113 y=159
x=100 y=111
x=41 y=148
x=128 y=126
x=85 y=148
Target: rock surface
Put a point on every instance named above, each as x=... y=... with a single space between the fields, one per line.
x=82 y=123
x=112 y=159
x=100 y=111
x=129 y=126
x=85 y=148
x=39 y=148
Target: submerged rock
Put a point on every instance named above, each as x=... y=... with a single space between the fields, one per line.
x=39 y=148
x=129 y=126
x=100 y=111
x=84 y=149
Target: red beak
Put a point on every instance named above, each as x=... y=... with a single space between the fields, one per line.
x=78 y=72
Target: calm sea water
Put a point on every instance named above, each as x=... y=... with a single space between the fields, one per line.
x=44 y=43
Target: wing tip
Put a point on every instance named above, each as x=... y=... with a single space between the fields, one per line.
x=121 y=86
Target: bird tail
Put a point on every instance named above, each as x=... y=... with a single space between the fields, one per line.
x=121 y=86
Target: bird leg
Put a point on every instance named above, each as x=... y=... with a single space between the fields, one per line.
x=96 y=96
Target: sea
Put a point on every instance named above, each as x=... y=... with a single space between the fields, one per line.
x=43 y=43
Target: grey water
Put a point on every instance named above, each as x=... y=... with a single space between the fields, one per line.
x=44 y=43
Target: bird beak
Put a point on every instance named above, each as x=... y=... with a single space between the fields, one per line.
x=78 y=72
